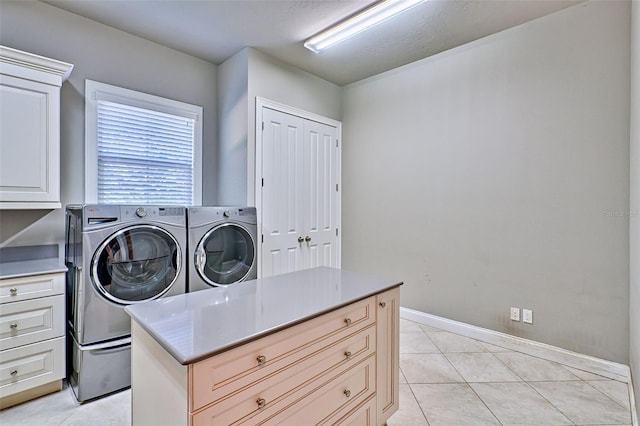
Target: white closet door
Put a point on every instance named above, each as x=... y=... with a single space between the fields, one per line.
x=320 y=195
x=282 y=209
x=299 y=205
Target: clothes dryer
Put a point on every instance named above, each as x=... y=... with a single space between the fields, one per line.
x=116 y=256
x=222 y=246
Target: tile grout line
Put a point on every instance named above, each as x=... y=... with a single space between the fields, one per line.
x=470 y=387
x=526 y=382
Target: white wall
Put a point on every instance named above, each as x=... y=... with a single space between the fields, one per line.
x=634 y=217
x=496 y=175
x=233 y=86
x=110 y=56
x=266 y=78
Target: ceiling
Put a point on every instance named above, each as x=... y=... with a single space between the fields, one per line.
x=215 y=30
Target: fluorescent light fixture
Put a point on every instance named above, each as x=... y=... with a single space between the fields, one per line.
x=366 y=19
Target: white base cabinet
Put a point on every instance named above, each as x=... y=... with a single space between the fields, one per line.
x=337 y=368
x=30 y=131
x=32 y=343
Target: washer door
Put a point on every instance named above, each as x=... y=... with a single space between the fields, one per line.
x=225 y=255
x=136 y=264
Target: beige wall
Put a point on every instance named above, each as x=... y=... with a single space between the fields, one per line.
x=496 y=175
x=110 y=56
x=245 y=76
x=634 y=217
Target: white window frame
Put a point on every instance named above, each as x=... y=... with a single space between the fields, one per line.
x=95 y=91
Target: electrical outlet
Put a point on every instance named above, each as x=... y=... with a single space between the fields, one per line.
x=515 y=314
x=527 y=316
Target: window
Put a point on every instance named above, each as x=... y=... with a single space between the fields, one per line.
x=140 y=148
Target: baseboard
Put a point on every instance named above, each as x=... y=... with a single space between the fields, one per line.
x=612 y=370
x=632 y=397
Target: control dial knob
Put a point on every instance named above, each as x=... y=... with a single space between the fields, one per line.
x=141 y=212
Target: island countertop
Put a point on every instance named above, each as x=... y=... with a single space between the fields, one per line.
x=194 y=326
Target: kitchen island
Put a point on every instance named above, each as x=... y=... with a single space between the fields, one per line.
x=310 y=347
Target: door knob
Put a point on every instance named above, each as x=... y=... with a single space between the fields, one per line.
x=300 y=239
x=307 y=238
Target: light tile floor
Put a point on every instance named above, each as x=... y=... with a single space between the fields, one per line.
x=446 y=379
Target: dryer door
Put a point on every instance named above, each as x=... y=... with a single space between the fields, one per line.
x=136 y=264
x=225 y=255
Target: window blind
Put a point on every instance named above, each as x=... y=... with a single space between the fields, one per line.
x=144 y=156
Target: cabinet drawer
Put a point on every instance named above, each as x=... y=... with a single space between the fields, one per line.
x=31 y=321
x=363 y=415
x=216 y=378
x=279 y=391
x=31 y=365
x=344 y=393
x=23 y=288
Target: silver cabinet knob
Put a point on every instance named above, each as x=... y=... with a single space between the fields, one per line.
x=347 y=393
x=13 y=291
x=300 y=239
x=347 y=354
x=261 y=359
x=307 y=238
x=13 y=326
x=383 y=304
x=347 y=321
x=261 y=402
x=14 y=373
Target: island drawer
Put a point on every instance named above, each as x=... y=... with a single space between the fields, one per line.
x=31 y=287
x=230 y=372
x=343 y=394
x=31 y=321
x=362 y=415
x=278 y=391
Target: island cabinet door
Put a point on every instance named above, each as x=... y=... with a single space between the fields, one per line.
x=388 y=353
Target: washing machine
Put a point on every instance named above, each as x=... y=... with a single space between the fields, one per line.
x=116 y=256
x=222 y=246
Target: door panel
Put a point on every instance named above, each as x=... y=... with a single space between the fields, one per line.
x=282 y=218
x=299 y=193
x=321 y=197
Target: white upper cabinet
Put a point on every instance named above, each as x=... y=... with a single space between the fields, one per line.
x=30 y=129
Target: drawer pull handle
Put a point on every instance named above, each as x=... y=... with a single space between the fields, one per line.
x=13 y=326
x=347 y=393
x=261 y=402
x=347 y=321
x=261 y=359
x=13 y=291
x=347 y=354
x=383 y=304
x=14 y=373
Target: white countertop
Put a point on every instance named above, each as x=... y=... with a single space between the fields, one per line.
x=31 y=267
x=196 y=325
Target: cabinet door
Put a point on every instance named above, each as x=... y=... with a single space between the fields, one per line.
x=282 y=209
x=320 y=195
x=299 y=192
x=29 y=141
x=388 y=353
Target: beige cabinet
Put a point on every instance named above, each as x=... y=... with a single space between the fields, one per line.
x=32 y=349
x=322 y=371
x=30 y=131
x=388 y=353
